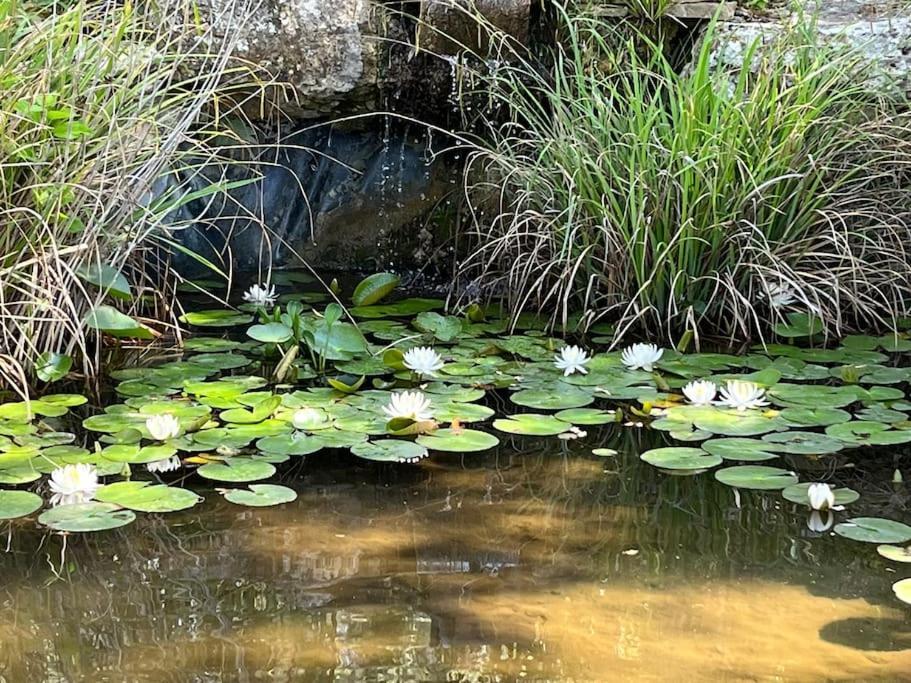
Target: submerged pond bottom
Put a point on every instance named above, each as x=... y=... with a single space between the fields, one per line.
x=536 y=562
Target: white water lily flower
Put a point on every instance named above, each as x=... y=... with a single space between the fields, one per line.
x=166 y=465
x=423 y=360
x=412 y=405
x=781 y=295
x=309 y=419
x=821 y=497
x=742 y=395
x=641 y=356
x=820 y=521
x=700 y=392
x=163 y=427
x=74 y=484
x=572 y=359
x=261 y=295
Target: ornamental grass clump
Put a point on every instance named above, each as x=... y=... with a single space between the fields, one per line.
x=704 y=200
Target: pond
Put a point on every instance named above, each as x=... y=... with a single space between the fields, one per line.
x=273 y=502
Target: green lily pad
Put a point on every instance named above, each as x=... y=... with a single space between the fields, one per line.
x=902 y=590
x=757 y=477
x=678 y=458
x=874 y=530
x=111 y=321
x=556 y=398
x=237 y=470
x=799 y=325
x=132 y=453
x=798 y=494
x=50 y=366
x=390 y=450
x=21 y=474
x=374 y=288
x=814 y=417
x=896 y=553
x=143 y=496
x=15 y=504
x=261 y=495
x=270 y=333
x=290 y=444
x=531 y=424
x=737 y=448
x=86 y=517
x=866 y=433
x=587 y=416
x=216 y=318
x=458 y=440
x=802 y=443
x=405 y=307
x=261 y=411
x=463 y=412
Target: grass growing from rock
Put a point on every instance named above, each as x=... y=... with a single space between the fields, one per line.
x=698 y=200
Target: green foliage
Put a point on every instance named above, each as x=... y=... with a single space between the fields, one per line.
x=691 y=199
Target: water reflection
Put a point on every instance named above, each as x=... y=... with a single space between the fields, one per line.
x=526 y=564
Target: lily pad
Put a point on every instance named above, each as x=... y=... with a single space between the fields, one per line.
x=868 y=433
x=532 y=424
x=374 y=288
x=902 y=590
x=86 y=517
x=802 y=443
x=738 y=448
x=145 y=497
x=390 y=450
x=15 y=504
x=261 y=495
x=896 y=553
x=757 y=477
x=874 y=530
x=270 y=333
x=798 y=494
x=237 y=470
x=681 y=458
x=458 y=440
x=587 y=416
x=216 y=318
x=556 y=398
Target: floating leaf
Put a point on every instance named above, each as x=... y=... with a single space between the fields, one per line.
x=681 y=458
x=216 y=318
x=896 y=553
x=867 y=433
x=458 y=440
x=50 y=366
x=85 y=517
x=556 y=398
x=143 y=496
x=757 y=477
x=374 y=288
x=902 y=590
x=531 y=424
x=270 y=333
x=802 y=443
x=15 y=504
x=261 y=495
x=799 y=325
x=390 y=450
x=237 y=470
x=587 y=416
x=874 y=530
x=746 y=450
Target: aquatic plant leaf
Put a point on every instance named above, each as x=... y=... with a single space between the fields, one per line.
x=451 y=411
x=587 y=416
x=797 y=493
x=211 y=344
x=345 y=387
x=731 y=422
x=390 y=450
x=458 y=440
x=144 y=496
x=737 y=448
x=14 y=504
x=867 y=433
x=802 y=443
x=261 y=495
x=216 y=318
x=902 y=590
x=759 y=477
x=896 y=553
x=403 y=308
x=135 y=455
x=21 y=474
x=814 y=417
x=209 y=362
x=815 y=396
x=799 y=325
x=261 y=411
x=531 y=424
x=370 y=367
x=556 y=398
x=374 y=288
x=874 y=530
x=111 y=321
x=86 y=517
x=604 y=452
x=445 y=328
x=50 y=366
x=455 y=392
x=270 y=333
x=106 y=278
x=680 y=458
x=237 y=469
x=289 y=444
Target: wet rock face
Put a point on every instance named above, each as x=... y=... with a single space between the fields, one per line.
x=346 y=56
x=338 y=200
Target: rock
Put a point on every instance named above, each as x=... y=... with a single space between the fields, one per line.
x=448 y=27
x=341 y=200
x=879 y=31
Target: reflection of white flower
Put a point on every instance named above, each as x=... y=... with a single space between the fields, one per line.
x=819 y=523
x=73 y=484
x=162 y=427
x=821 y=497
x=781 y=295
x=700 y=392
x=423 y=360
x=412 y=405
x=641 y=356
x=261 y=295
x=742 y=395
x=166 y=465
x=572 y=359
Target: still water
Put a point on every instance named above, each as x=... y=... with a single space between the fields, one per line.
x=535 y=562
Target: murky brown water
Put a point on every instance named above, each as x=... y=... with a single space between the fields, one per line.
x=534 y=563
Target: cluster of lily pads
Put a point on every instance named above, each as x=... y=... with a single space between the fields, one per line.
x=396 y=381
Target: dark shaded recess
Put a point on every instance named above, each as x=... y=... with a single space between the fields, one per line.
x=339 y=199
